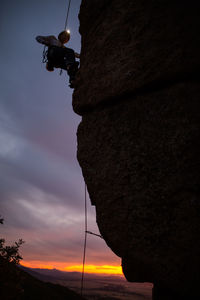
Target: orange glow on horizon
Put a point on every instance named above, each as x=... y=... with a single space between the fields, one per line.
x=92 y=269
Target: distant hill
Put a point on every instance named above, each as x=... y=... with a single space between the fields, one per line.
x=16 y=284
x=62 y=275
x=96 y=286
x=45 y=274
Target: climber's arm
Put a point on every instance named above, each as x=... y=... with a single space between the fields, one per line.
x=46 y=40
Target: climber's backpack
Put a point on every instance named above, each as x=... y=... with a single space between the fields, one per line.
x=59 y=57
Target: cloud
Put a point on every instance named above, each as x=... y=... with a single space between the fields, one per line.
x=41 y=184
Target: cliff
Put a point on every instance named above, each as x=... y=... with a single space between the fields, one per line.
x=138 y=93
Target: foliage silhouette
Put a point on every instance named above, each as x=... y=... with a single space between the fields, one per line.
x=10 y=253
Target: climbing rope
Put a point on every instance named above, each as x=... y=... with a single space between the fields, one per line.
x=85 y=240
x=94 y=234
x=68 y=8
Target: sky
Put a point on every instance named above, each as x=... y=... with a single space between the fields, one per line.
x=41 y=183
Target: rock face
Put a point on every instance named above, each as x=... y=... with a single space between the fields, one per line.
x=138 y=143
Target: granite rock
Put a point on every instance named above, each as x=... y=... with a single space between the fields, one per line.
x=138 y=143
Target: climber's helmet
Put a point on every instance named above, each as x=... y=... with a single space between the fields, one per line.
x=64 y=36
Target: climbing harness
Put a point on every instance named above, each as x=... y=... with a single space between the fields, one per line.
x=45 y=57
x=44 y=54
x=85 y=240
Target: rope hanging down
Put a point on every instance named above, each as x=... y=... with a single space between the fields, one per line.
x=68 y=8
x=85 y=240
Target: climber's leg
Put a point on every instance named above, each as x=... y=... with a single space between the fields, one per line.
x=71 y=71
x=49 y=67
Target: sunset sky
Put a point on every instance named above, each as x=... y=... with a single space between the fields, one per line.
x=41 y=184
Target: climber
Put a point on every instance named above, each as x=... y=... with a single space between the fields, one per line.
x=59 y=56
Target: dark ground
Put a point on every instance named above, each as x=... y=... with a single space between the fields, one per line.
x=16 y=284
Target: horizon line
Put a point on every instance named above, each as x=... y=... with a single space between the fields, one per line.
x=61 y=266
